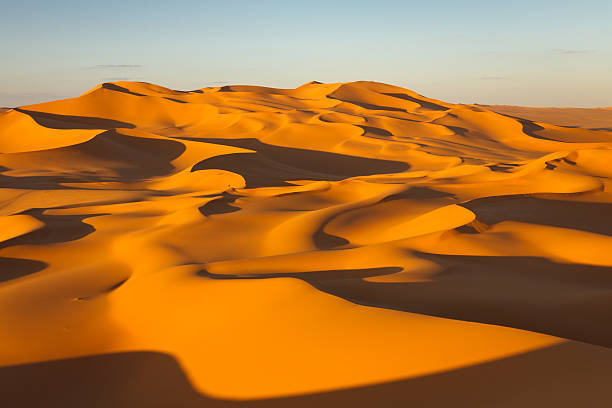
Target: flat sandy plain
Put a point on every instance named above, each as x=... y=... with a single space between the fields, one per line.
x=334 y=245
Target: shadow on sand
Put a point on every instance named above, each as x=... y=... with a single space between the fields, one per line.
x=55 y=121
x=273 y=166
x=505 y=291
x=561 y=376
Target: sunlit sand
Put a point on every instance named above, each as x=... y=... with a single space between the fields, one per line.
x=349 y=244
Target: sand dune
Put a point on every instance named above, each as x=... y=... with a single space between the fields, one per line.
x=340 y=244
x=594 y=118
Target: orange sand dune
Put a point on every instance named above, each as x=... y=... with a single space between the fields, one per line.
x=572 y=117
x=351 y=244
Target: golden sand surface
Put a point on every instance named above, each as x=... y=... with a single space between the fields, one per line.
x=349 y=244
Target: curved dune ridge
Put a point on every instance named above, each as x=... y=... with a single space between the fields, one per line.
x=351 y=243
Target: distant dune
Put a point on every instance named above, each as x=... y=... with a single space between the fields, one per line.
x=594 y=118
x=350 y=244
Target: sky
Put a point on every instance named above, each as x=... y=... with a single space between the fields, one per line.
x=531 y=53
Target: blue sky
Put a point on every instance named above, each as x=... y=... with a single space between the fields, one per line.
x=534 y=53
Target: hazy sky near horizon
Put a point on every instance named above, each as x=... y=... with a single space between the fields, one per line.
x=533 y=53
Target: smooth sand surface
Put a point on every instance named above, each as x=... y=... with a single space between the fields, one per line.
x=350 y=244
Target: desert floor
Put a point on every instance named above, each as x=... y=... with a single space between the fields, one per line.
x=350 y=244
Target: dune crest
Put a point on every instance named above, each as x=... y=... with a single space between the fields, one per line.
x=286 y=242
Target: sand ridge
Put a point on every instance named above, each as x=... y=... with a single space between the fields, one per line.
x=280 y=243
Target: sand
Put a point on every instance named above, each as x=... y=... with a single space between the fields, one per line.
x=349 y=244
x=594 y=118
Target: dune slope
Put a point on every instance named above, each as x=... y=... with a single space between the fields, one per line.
x=334 y=244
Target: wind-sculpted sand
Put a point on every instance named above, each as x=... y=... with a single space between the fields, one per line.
x=332 y=245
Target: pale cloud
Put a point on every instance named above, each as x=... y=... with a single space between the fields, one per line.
x=572 y=52
x=115 y=66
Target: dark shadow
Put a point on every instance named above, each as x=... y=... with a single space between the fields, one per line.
x=108 y=157
x=275 y=165
x=530 y=129
x=579 y=215
x=369 y=105
x=220 y=205
x=418 y=193
x=54 y=121
x=502 y=167
x=114 y=156
x=13 y=268
x=566 y=300
x=313 y=276
x=118 y=88
x=57 y=229
x=568 y=161
x=136 y=379
x=256 y=170
x=39 y=182
x=133 y=157
x=461 y=131
x=424 y=104
x=562 y=376
x=174 y=100
x=324 y=240
x=375 y=131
